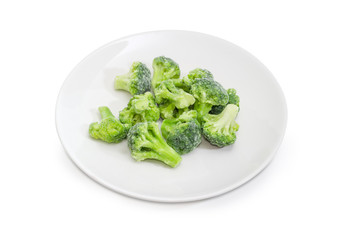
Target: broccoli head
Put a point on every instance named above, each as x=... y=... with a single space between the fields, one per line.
x=186 y=82
x=141 y=108
x=146 y=142
x=207 y=94
x=163 y=69
x=199 y=73
x=183 y=134
x=110 y=129
x=220 y=130
x=136 y=81
x=168 y=92
x=233 y=99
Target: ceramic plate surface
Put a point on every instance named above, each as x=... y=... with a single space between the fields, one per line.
x=206 y=172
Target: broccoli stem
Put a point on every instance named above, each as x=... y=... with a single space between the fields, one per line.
x=157 y=77
x=227 y=117
x=122 y=82
x=163 y=151
x=167 y=127
x=202 y=109
x=167 y=154
x=184 y=101
x=105 y=112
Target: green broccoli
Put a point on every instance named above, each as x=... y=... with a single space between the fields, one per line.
x=207 y=94
x=220 y=130
x=199 y=73
x=167 y=110
x=163 y=69
x=110 y=129
x=168 y=92
x=179 y=111
x=233 y=99
x=141 y=108
x=186 y=82
x=183 y=134
x=146 y=142
x=136 y=81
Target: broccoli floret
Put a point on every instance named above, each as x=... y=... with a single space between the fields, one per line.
x=110 y=129
x=207 y=94
x=163 y=69
x=233 y=99
x=136 y=81
x=146 y=142
x=183 y=134
x=199 y=73
x=141 y=108
x=168 y=92
x=220 y=130
x=186 y=82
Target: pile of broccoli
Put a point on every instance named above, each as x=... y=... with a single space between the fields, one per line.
x=191 y=107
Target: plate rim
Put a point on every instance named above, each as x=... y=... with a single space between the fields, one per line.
x=136 y=195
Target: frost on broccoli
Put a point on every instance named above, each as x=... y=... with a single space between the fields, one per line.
x=110 y=129
x=141 y=108
x=136 y=81
x=183 y=134
x=220 y=130
x=146 y=142
x=163 y=69
x=208 y=94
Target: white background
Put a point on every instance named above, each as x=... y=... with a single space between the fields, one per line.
x=43 y=195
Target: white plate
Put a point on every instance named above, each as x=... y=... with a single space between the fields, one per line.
x=206 y=172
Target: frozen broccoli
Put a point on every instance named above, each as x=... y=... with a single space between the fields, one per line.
x=146 y=142
x=110 y=129
x=167 y=110
x=183 y=134
x=199 y=73
x=186 y=82
x=136 y=81
x=141 y=108
x=168 y=92
x=220 y=130
x=233 y=99
x=207 y=94
x=179 y=111
x=163 y=69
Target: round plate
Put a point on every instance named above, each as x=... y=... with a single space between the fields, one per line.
x=207 y=171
